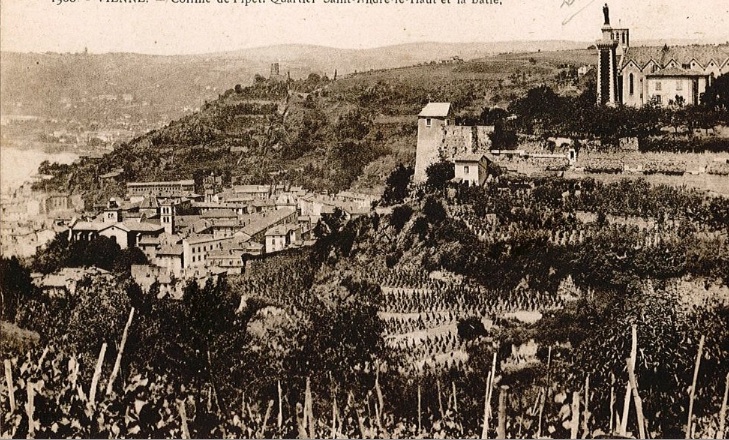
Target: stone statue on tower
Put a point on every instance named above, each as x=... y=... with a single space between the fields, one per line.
x=606 y=13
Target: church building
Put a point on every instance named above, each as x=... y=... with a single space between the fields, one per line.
x=661 y=75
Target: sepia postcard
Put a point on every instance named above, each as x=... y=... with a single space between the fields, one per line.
x=364 y=219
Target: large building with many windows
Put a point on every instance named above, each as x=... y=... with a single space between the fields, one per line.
x=660 y=75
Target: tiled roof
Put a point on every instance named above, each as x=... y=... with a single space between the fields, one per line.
x=281 y=229
x=142 y=226
x=219 y=213
x=436 y=110
x=469 y=157
x=672 y=71
x=662 y=55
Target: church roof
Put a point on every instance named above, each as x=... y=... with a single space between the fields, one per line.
x=436 y=110
x=662 y=55
x=673 y=72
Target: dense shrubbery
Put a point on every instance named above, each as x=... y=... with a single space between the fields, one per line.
x=101 y=252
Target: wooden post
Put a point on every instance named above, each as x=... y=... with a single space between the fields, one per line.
x=626 y=402
x=43 y=356
x=183 y=420
x=586 y=412
x=419 y=411
x=637 y=399
x=693 y=387
x=265 y=419
x=486 y=408
x=545 y=396
x=301 y=420
x=9 y=382
x=722 y=411
x=97 y=374
x=455 y=400
x=440 y=401
x=334 y=412
x=117 y=364
x=30 y=407
x=279 y=417
x=575 y=423
x=612 y=402
x=501 y=431
x=308 y=410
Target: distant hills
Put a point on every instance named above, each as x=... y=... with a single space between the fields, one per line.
x=161 y=87
x=57 y=85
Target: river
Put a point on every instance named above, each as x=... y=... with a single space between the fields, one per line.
x=16 y=165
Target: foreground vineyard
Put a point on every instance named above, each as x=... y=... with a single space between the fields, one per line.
x=505 y=311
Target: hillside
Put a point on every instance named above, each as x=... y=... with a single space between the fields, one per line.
x=45 y=84
x=317 y=132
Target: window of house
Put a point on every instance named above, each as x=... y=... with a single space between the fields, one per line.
x=679 y=85
x=465 y=169
x=658 y=85
x=428 y=122
x=658 y=99
x=631 y=83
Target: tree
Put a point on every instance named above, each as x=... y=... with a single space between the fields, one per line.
x=434 y=211
x=400 y=216
x=439 y=174
x=15 y=284
x=502 y=139
x=396 y=186
x=716 y=96
x=471 y=328
x=54 y=255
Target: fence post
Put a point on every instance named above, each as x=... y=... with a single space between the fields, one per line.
x=586 y=412
x=722 y=411
x=9 y=381
x=612 y=402
x=419 y=411
x=30 y=407
x=97 y=374
x=279 y=418
x=575 y=423
x=455 y=401
x=183 y=420
x=626 y=402
x=637 y=399
x=117 y=363
x=693 y=387
x=502 y=411
x=486 y=408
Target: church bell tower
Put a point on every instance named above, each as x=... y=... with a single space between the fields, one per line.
x=607 y=69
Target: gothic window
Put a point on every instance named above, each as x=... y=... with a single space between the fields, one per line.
x=631 y=83
x=465 y=170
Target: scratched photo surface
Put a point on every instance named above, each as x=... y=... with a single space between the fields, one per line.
x=364 y=219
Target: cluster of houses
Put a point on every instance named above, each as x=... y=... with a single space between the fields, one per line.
x=186 y=235
x=31 y=219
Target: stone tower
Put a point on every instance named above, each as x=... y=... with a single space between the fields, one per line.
x=607 y=69
x=432 y=121
x=167 y=216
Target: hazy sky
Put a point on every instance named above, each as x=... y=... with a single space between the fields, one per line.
x=164 y=27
